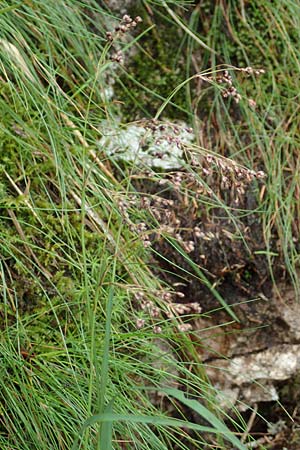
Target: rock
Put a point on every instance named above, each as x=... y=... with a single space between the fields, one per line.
x=290 y=308
x=120 y=6
x=276 y=363
x=252 y=377
x=149 y=148
x=248 y=363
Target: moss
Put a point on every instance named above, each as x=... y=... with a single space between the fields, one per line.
x=156 y=65
x=47 y=241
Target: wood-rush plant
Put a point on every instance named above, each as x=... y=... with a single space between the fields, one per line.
x=90 y=337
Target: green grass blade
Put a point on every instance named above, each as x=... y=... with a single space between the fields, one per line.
x=10 y=8
x=105 y=441
x=207 y=415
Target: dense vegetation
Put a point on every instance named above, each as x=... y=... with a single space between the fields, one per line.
x=104 y=266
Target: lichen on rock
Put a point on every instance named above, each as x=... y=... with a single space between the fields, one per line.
x=147 y=144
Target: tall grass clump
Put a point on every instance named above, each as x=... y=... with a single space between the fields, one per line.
x=77 y=368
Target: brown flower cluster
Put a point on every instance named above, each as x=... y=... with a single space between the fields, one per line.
x=126 y=25
x=232 y=174
x=230 y=90
x=225 y=79
x=182 y=309
x=171 y=309
x=213 y=174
